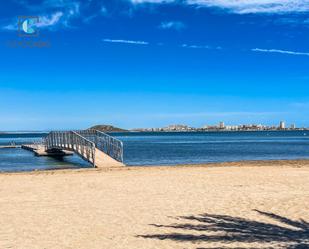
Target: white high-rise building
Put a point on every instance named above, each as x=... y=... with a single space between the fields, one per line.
x=221 y=125
x=282 y=125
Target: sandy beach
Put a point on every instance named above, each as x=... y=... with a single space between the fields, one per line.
x=229 y=205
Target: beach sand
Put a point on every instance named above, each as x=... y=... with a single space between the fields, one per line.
x=230 y=205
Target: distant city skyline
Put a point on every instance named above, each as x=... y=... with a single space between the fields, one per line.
x=226 y=127
x=152 y=63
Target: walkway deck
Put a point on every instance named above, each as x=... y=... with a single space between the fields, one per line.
x=10 y=146
x=39 y=150
x=99 y=149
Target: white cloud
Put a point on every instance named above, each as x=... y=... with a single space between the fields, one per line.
x=51 y=13
x=279 y=51
x=126 y=41
x=172 y=25
x=60 y=4
x=257 y=6
x=200 y=46
x=47 y=21
x=160 y=44
x=103 y=10
x=195 y=46
x=152 y=1
x=245 y=6
x=300 y=105
x=10 y=27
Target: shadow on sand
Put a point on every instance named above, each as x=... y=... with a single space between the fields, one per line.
x=227 y=230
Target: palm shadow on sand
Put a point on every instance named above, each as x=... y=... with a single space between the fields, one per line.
x=227 y=229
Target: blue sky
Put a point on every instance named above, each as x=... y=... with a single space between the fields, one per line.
x=138 y=63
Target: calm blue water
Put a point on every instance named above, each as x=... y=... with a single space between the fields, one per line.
x=22 y=160
x=171 y=148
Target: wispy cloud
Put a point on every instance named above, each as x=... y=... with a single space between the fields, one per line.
x=10 y=27
x=47 y=21
x=126 y=41
x=52 y=14
x=244 y=6
x=200 y=46
x=136 y=42
x=152 y=1
x=47 y=5
x=103 y=10
x=300 y=105
x=279 y=51
x=176 y=25
x=256 y=6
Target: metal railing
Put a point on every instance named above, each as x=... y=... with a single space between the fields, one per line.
x=38 y=143
x=71 y=140
x=104 y=142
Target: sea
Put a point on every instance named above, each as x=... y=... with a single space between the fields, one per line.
x=168 y=148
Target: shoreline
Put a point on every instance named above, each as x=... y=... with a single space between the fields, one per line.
x=252 y=204
x=167 y=131
x=249 y=163
x=219 y=130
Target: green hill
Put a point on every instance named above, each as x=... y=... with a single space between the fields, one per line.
x=107 y=128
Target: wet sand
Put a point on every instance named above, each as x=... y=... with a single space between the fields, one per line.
x=228 y=205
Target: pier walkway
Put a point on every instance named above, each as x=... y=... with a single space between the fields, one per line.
x=98 y=148
x=10 y=146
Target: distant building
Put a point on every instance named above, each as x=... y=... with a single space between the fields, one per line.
x=222 y=127
x=177 y=127
x=282 y=125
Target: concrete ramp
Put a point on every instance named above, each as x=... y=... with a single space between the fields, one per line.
x=102 y=160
